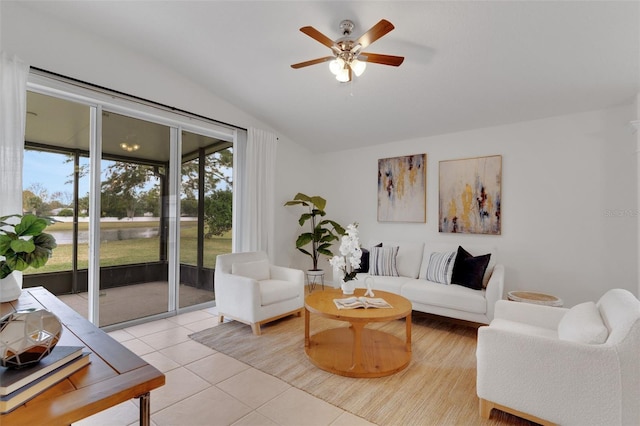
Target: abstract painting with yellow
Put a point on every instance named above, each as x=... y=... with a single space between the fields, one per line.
x=471 y=195
x=402 y=183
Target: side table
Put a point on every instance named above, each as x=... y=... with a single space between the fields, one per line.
x=535 y=298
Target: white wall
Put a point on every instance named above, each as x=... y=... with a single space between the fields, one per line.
x=295 y=173
x=568 y=185
x=636 y=127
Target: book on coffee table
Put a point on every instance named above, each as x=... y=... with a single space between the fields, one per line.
x=12 y=379
x=35 y=387
x=361 y=302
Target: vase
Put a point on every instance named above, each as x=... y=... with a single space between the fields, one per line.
x=348 y=287
x=28 y=336
x=11 y=287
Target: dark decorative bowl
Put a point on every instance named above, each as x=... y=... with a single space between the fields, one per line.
x=27 y=336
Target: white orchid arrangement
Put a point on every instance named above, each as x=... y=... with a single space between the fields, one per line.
x=350 y=252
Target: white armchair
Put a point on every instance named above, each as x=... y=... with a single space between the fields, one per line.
x=250 y=290
x=578 y=366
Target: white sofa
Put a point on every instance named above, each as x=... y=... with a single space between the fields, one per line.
x=449 y=300
x=578 y=366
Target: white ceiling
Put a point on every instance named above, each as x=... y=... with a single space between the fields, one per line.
x=468 y=64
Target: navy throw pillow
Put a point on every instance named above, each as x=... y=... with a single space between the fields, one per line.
x=468 y=270
x=364 y=260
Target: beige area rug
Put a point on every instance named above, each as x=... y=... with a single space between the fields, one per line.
x=437 y=388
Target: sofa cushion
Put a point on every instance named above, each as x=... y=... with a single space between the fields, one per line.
x=440 y=267
x=583 y=324
x=523 y=328
x=620 y=311
x=390 y=284
x=364 y=260
x=409 y=257
x=428 y=250
x=446 y=296
x=475 y=250
x=382 y=261
x=468 y=270
x=257 y=270
x=275 y=291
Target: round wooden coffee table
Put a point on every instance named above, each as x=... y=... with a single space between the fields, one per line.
x=357 y=351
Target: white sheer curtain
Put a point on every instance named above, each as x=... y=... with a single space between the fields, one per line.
x=255 y=186
x=13 y=112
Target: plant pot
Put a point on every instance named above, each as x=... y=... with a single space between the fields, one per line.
x=11 y=287
x=348 y=287
x=314 y=277
x=315 y=272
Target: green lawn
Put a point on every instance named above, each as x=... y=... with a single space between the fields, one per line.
x=83 y=226
x=132 y=251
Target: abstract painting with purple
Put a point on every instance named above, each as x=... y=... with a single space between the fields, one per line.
x=471 y=195
x=402 y=183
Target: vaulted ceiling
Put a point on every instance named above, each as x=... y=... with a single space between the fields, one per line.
x=468 y=64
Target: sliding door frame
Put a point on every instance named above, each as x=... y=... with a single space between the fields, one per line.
x=99 y=100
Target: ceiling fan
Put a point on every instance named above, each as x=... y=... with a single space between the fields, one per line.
x=347 y=56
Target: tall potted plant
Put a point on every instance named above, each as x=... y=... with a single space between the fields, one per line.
x=323 y=232
x=23 y=244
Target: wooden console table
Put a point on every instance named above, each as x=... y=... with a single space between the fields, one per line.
x=114 y=375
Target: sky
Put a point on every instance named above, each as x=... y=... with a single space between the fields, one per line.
x=50 y=171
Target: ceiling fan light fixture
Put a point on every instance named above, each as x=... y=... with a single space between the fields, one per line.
x=358 y=67
x=343 y=75
x=336 y=66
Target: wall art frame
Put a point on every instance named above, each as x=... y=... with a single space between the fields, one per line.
x=470 y=195
x=402 y=189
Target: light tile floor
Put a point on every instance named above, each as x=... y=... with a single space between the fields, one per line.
x=205 y=387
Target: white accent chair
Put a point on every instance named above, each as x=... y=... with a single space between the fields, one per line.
x=251 y=290
x=578 y=366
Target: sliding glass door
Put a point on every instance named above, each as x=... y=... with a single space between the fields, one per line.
x=56 y=184
x=206 y=213
x=143 y=199
x=133 y=219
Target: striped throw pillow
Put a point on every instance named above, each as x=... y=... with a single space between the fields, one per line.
x=382 y=261
x=440 y=267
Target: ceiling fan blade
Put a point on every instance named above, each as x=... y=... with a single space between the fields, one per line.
x=318 y=36
x=376 y=58
x=377 y=31
x=312 y=62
